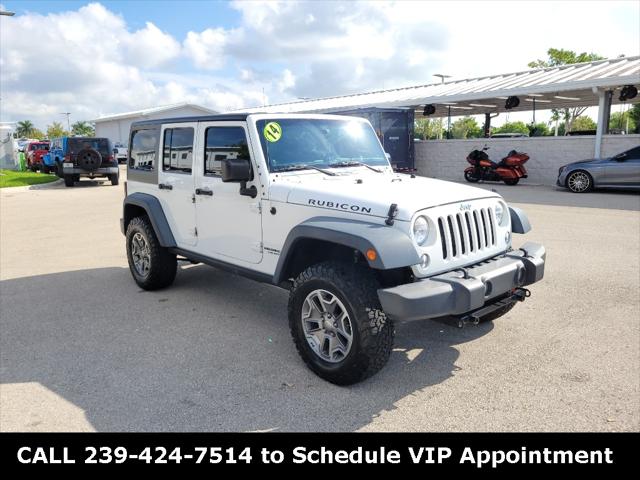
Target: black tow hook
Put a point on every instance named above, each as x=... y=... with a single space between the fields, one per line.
x=518 y=294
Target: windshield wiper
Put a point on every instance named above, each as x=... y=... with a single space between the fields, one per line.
x=353 y=163
x=301 y=166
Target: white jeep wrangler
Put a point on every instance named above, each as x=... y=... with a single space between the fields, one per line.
x=310 y=203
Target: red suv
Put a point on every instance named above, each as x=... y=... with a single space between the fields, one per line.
x=34 y=152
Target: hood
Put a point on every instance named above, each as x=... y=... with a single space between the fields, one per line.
x=592 y=161
x=371 y=193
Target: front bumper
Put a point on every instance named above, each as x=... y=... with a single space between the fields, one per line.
x=562 y=177
x=466 y=289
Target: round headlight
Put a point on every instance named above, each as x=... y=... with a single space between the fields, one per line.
x=420 y=230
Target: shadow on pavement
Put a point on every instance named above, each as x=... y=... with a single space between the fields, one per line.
x=211 y=353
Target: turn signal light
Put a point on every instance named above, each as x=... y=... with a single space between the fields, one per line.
x=371 y=255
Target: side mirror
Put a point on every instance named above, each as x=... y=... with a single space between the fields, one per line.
x=115 y=151
x=620 y=157
x=236 y=170
x=239 y=170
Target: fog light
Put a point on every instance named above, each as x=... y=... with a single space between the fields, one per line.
x=424 y=261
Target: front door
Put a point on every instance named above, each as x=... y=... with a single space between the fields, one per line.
x=229 y=224
x=176 y=181
x=624 y=171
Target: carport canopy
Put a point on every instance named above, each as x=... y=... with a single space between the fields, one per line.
x=587 y=84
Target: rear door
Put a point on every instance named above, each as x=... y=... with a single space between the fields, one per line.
x=176 y=180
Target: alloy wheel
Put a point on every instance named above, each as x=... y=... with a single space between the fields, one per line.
x=327 y=326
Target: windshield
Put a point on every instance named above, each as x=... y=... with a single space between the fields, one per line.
x=40 y=146
x=298 y=142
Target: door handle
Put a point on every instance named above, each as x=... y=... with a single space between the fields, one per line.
x=165 y=186
x=204 y=191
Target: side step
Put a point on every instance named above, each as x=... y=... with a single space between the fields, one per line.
x=474 y=317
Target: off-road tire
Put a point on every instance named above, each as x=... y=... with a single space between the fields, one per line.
x=163 y=264
x=511 y=181
x=69 y=180
x=115 y=179
x=373 y=333
x=45 y=169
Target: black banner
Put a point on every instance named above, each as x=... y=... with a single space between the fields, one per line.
x=470 y=452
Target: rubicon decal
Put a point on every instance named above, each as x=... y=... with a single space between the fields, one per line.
x=339 y=206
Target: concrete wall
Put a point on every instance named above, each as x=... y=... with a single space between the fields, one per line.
x=446 y=159
x=118 y=130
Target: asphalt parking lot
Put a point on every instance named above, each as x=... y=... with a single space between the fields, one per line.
x=82 y=348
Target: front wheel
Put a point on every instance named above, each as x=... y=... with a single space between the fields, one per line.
x=46 y=169
x=579 y=182
x=511 y=181
x=337 y=323
x=471 y=177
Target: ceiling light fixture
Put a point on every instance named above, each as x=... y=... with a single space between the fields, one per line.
x=482 y=105
x=559 y=97
x=536 y=100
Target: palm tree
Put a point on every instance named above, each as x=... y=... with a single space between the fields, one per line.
x=83 y=129
x=25 y=128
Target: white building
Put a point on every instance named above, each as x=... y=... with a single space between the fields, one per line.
x=116 y=127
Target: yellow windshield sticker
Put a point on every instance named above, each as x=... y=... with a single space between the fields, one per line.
x=272 y=131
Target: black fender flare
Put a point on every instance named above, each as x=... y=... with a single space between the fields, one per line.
x=394 y=248
x=519 y=220
x=151 y=205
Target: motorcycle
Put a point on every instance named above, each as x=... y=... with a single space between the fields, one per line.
x=510 y=169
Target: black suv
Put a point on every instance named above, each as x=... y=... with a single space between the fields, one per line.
x=87 y=156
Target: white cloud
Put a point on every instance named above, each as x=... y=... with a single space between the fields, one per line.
x=88 y=61
x=206 y=48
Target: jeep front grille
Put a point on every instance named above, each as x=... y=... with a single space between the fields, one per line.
x=467 y=232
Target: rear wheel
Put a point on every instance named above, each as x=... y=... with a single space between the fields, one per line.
x=115 y=178
x=337 y=323
x=68 y=180
x=471 y=177
x=152 y=266
x=579 y=181
x=511 y=181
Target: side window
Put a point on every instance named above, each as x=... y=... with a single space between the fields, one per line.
x=634 y=153
x=222 y=143
x=177 y=151
x=144 y=144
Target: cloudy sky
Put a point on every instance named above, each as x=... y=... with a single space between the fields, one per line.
x=96 y=58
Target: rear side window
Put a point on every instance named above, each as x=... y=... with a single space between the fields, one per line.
x=222 y=143
x=144 y=145
x=177 y=151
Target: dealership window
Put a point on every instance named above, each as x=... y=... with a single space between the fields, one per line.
x=177 y=150
x=144 y=144
x=222 y=143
